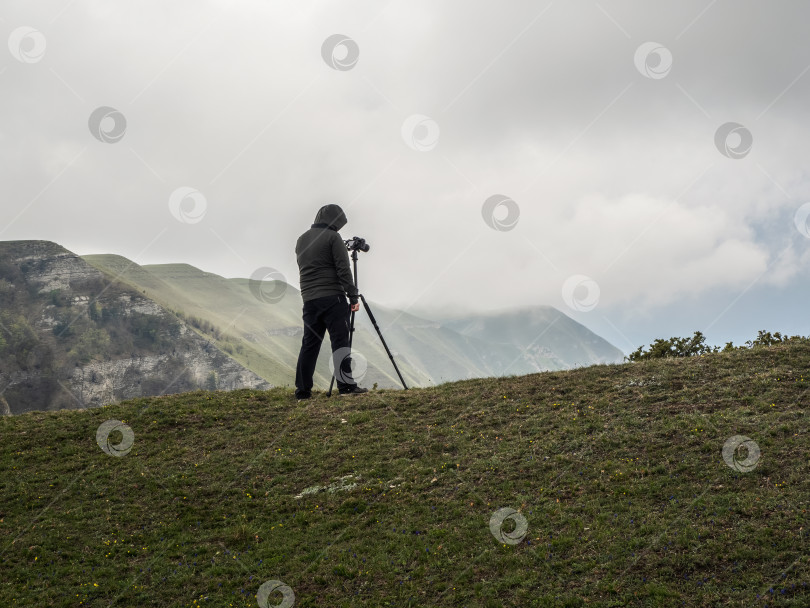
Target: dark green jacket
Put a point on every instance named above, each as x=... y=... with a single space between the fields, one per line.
x=323 y=260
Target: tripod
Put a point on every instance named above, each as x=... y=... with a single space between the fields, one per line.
x=373 y=321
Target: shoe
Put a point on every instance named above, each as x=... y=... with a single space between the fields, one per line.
x=303 y=396
x=356 y=390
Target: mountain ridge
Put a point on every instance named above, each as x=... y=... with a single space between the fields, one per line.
x=72 y=337
x=432 y=350
x=259 y=327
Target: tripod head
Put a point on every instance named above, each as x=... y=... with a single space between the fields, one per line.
x=356 y=244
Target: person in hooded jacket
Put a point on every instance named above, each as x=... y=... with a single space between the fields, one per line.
x=326 y=280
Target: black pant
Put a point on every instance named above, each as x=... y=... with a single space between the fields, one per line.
x=330 y=313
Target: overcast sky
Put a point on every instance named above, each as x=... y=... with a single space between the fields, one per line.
x=494 y=154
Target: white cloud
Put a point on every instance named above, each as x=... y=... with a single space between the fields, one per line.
x=234 y=99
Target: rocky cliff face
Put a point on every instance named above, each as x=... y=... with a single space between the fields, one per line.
x=71 y=336
x=102 y=382
x=47 y=266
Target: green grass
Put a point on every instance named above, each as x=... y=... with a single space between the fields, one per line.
x=616 y=469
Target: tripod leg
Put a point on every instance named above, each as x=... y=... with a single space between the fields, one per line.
x=379 y=333
x=351 y=335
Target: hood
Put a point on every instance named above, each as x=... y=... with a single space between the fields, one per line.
x=332 y=216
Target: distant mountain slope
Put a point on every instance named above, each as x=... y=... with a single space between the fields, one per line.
x=539 y=332
x=72 y=337
x=265 y=336
x=262 y=334
x=449 y=353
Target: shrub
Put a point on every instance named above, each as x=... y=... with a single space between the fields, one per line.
x=673 y=347
x=92 y=343
x=696 y=345
x=22 y=341
x=212 y=381
x=94 y=311
x=765 y=338
x=58 y=299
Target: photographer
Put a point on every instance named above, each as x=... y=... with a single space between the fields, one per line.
x=326 y=280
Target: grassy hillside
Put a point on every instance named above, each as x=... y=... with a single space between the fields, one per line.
x=387 y=499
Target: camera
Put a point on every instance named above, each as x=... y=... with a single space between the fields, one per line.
x=356 y=244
